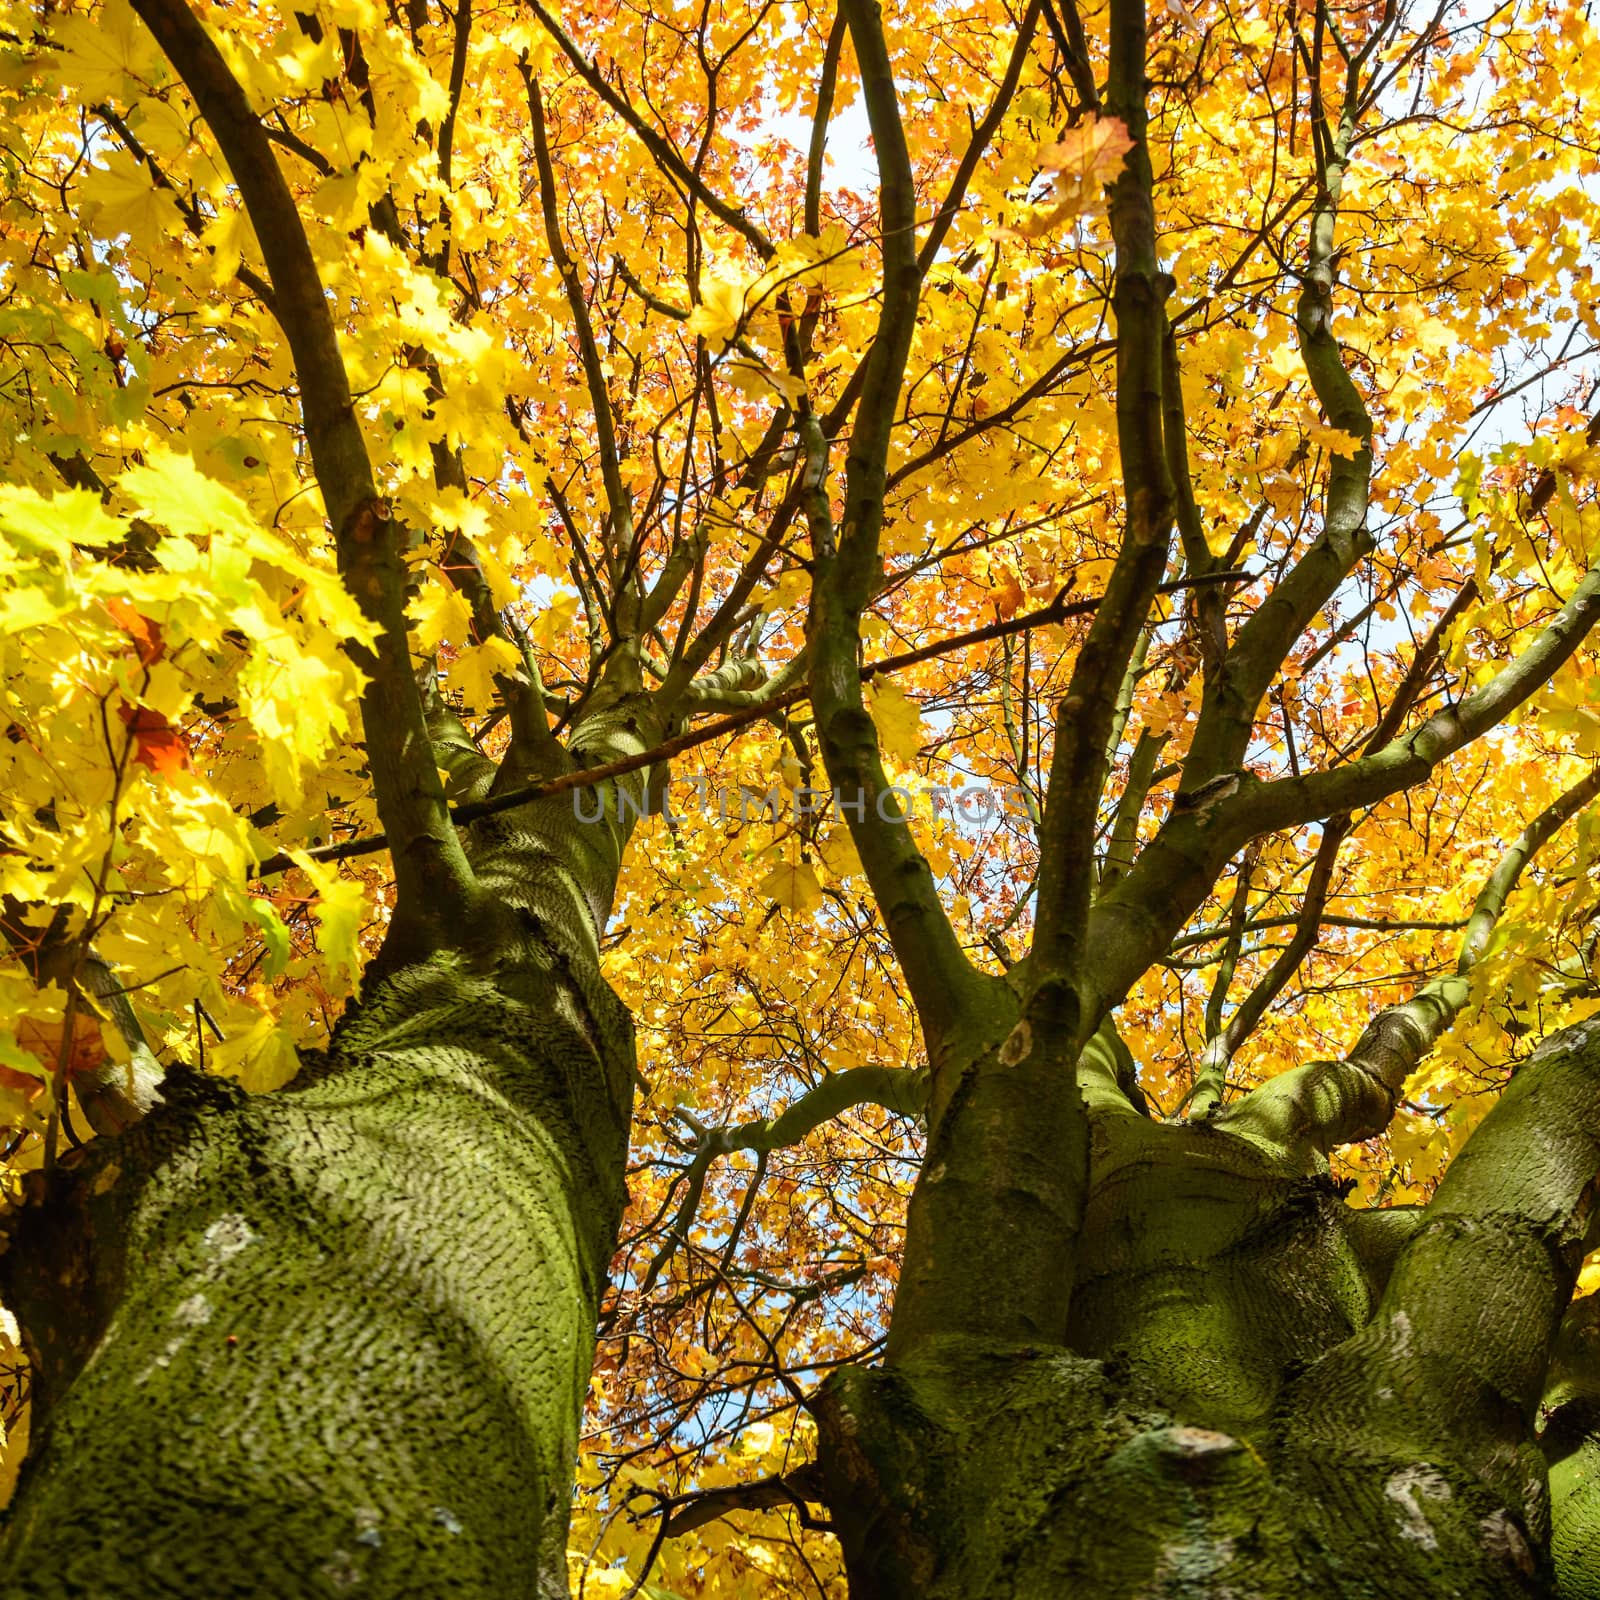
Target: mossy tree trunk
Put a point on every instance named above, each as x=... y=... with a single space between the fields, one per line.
x=335 y=1340
x=1259 y=1390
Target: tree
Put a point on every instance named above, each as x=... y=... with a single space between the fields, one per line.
x=430 y=427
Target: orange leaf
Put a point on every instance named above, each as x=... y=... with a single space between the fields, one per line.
x=44 y=1040
x=159 y=745
x=1081 y=164
x=145 y=634
x=1008 y=597
x=20 y=1083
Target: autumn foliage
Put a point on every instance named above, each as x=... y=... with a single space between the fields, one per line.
x=601 y=282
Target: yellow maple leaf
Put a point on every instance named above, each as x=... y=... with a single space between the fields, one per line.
x=228 y=236
x=99 y=54
x=716 y=319
x=838 y=852
x=1091 y=153
x=899 y=722
x=1589 y=1278
x=1582 y=722
x=1336 y=441
x=450 y=508
x=755 y=380
x=793 y=885
x=1284 y=366
x=262 y=1058
x=169 y=488
x=53 y=523
x=125 y=199
x=555 y=621
x=473 y=671
x=503 y=589
x=340 y=909
x=344 y=197
x=439 y=614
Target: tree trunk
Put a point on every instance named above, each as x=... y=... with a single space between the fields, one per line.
x=335 y=1340
x=1263 y=1392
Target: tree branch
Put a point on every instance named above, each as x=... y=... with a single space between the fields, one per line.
x=1085 y=714
x=1222 y=1043
x=695 y=1510
x=434 y=881
x=1125 y=825
x=817 y=153
x=618 y=500
x=1074 y=48
x=981 y=136
x=1569 y=1435
x=941 y=979
x=1228 y=709
x=668 y=158
x=896 y=1089
x=1133 y=925
x=1209 y=614
x=1330 y=1103
x=193 y=219
x=1461 y=1339
x=778 y=696
x=1327 y=920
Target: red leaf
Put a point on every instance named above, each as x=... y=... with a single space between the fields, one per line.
x=23 y=1083
x=44 y=1040
x=158 y=745
x=145 y=634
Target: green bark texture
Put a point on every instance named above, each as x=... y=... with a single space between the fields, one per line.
x=335 y=1340
x=1263 y=1392
x=1570 y=1433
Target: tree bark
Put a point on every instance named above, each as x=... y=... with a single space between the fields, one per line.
x=1262 y=1391
x=335 y=1340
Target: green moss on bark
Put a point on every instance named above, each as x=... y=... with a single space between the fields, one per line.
x=1569 y=1428
x=335 y=1340
x=1263 y=1392
x=1030 y=1473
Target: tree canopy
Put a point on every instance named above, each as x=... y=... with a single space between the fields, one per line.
x=1012 y=499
